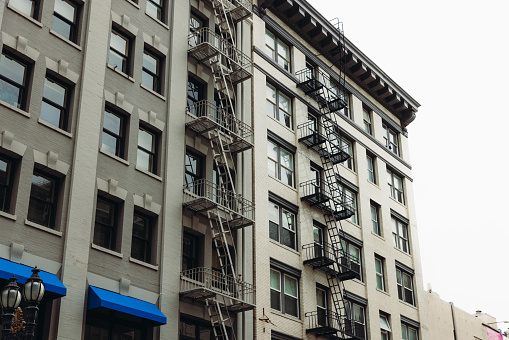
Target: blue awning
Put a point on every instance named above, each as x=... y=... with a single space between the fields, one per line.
x=98 y=297
x=51 y=282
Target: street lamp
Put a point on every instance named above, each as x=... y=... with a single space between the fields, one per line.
x=18 y=323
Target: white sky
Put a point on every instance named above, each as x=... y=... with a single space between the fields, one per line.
x=452 y=57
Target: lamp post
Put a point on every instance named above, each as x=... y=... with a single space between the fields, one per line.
x=18 y=323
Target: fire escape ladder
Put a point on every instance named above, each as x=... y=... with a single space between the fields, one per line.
x=222 y=159
x=221 y=234
x=219 y=318
x=226 y=29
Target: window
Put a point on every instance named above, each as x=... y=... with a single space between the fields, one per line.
x=284 y=293
x=355 y=322
x=409 y=333
x=370 y=160
x=189 y=252
x=354 y=253
x=375 y=222
x=106 y=325
x=400 y=235
x=151 y=71
x=6 y=183
x=106 y=222
x=55 y=104
x=391 y=139
x=396 y=186
x=405 y=286
x=321 y=306
x=385 y=328
x=141 y=246
x=43 y=199
x=279 y=106
x=65 y=19
x=195 y=24
x=380 y=277
x=120 y=52
x=347 y=146
x=319 y=241
x=349 y=199
x=367 y=120
x=193 y=172
x=282 y=226
x=195 y=92
x=277 y=50
x=338 y=91
x=156 y=9
x=147 y=150
x=280 y=163
x=14 y=78
x=114 y=132
x=28 y=7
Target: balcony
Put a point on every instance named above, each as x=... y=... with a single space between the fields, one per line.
x=203 y=117
x=317 y=194
x=308 y=81
x=205 y=45
x=354 y=330
x=321 y=256
x=238 y=10
x=204 y=283
x=318 y=255
x=309 y=135
x=322 y=322
x=202 y=196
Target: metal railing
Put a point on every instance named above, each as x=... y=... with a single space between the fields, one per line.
x=225 y=120
x=227 y=199
x=227 y=285
x=330 y=92
x=310 y=128
x=321 y=319
x=314 y=187
x=355 y=329
x=315 y=251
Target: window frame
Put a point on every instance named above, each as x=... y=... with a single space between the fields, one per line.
x=345 y=243
x=350 y=317
x=279 y=166
x=194 y=87
x=120 y=137
x=197 y=175
x=399 y=229
x=346 y=190
x=405 y=334
x=34 y=8
x=64 y=119
x=161 y=7
x=370 y=160
x=402 y=289
x=192 y=261
x=392 y=145
x=367 y=118
x=53 y=201
x=126 y=68
x=158 y=76
x=153 y=153
x=7 y=187
x=282 y=292
x=380 y=275
x=397 y=194
x=114 y=225
x=282 y=210
x=277 y=109
x=23 y=89
x=148 y=240
x=345 y=143
x=375 y=223
x=275 y=51
x=74 y=25
x=385 y=333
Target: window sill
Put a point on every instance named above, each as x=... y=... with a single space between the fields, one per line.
x=383 y=292
x=286 y=185
x=149 y=174
x=32 y=20
x=284 y=126
x=374 y=184
x=145 y=264
x=121 y=160
x=379 y=236
x=43 y=228
x=48 y=125
x=284 y=247
x=15 y=109
x=158 y=21
x=395 y=200
x=107 y=251
x=126 y=76
x=76 y=46
x=287 y=316
x=153 y=92
x=401 y=251
x=407 y=304
x=7 y=215
x=347 y=168
x=134 y=4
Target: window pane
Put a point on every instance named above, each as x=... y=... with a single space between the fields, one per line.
x=412 y=334
x=379 y=283
x=378 y=266
x=404 y=332
x=287 y=238
x=144 y=160
x=290 y=286
x=146 y=140
x=118 y=42
x=275 y=280
x=61 y=27
x=50 y=114
x=273 y=231
x=65 y=9
x=10 y=94
x=275 y=300
x=147 y=80
x=153 y=10
x=112 y=122
x=286 y=159
x=288 y=220
x=284 y=102
x=54 y=92
x=11 y=69
x=24 y=6
x=272 y=150
x=109 y=143
x=274 y=213
x=320 y=298
x=150 y=63
x=291 y=306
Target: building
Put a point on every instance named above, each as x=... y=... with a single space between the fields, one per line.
x=135 y=138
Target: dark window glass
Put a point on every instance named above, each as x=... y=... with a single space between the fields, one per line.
x=105 y=231
x=151 y=75
x=195 y=91
x=43 y=200
x=13 y=81
x=55 y=102
x=147 y=150
x=102 y=325
x=119 y=56
x=113 y=133
x=405 y=286
x=284 y=293
x=189 y=252
x=193 y=172
x=6 y=176
x=142 y=238
x=65 y=19
x=282 y=226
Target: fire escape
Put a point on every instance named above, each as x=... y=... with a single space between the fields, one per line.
x=224 y=292
x=323 y=136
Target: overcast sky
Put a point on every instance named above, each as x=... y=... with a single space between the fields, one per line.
x=452 y=57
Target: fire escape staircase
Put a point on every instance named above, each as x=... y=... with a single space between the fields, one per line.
x=327 y=196
x=223 y=292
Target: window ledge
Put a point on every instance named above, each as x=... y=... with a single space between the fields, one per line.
x=15 y=109
x=153 y=92
x=149 y=174
x=348 y=169
x=43 y=228
x=401 y=251
x=32 y=20
x=284 y=126
x=395 y=200
x=134 y=4
x=383 y=292
x=284 y=247
x=7 y=215
x=158 y=21
x=121 y=160
x=286 y=185
x=287 y=316
x=107 y=251
x=121 y=73
x=407 y=304
x=76 y=46
x=374 y=184
x=379 y=236
x=63 y=132
x=145 y=264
